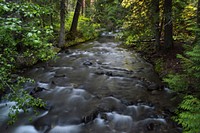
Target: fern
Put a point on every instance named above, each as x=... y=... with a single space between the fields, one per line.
x=189 y=114
x=195 y=58
x=191 y=65
x=177 y=82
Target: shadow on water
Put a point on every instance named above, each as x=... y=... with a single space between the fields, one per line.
x=97 y=87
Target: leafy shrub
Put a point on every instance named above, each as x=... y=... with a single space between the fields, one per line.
x=191 y=74
x=86 y=28
x=137 y=23
x=23 y=100
x=159 y=65
x=23 y=41
x=177 y=82
x=191 y=64
x=111 y=12
x=22 y=33
x=189 y=114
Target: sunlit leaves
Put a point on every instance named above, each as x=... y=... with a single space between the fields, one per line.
x=87 y=28
x=127 y=3
x=137 y=23
x=184 y=14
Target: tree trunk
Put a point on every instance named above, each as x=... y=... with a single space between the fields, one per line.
x=92 y=2
x=62 y=24
x=83 y=7
x=74 y=25
x=168 y=28
x=198 y=21
x=156 y=22
x=67 y=6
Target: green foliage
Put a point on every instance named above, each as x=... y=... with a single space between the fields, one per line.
x=189 y=114
x=177 y=82
x=23 y=41
x=22 y=34
x=193 y=67
x=69 y=19
x=23 y=100
x=184 y=13
x=137 y=24
x=159 y=65
x=191 y=64
x=86 y=28
x=109 y=13
x=191 y=74
x=129 y=40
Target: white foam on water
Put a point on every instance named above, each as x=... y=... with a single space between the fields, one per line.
x=99 y=121
x=4 y=107
x=4 y=110
x=168 y=90
x=140 y=108
x=161 y=120
x=43 y=85
x=83 y=93
x=78 y=91
x=43 y=114
x=120 y=122
x=26 y=129
x=66 y=129
x=76 y=99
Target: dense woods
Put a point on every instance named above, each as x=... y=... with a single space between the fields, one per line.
x=32 y=31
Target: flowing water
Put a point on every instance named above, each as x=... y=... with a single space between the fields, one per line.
x=96 y=87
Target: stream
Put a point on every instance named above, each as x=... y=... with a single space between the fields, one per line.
x=96 y=87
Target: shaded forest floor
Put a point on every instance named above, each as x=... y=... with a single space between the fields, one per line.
x=166 y=62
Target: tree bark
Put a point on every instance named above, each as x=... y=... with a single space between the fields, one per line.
x=198 y=21
x=168 y=28
x=83 y=7
x=62 y=24
x=74 y=25
x=67 y=6
x=92 y=2
x=156 y=22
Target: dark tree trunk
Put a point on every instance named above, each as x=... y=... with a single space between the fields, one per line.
x=156 y=22
x=62 y=24
x=198 y=14
x=74 y=25
x=198 y=21
x=168 y=28
x=51 y=20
